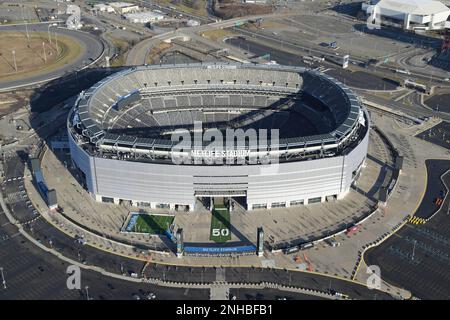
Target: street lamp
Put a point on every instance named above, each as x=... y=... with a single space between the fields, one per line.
x=414 y=250
x=14 y=58
x=43 y=48
x=3 y=277
x=87 y=293
x=49 y=35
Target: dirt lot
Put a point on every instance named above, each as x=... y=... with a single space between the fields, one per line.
x=228 y=9
x=29 y=54
x=12 y=101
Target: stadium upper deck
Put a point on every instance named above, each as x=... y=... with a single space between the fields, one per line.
x=136 y=110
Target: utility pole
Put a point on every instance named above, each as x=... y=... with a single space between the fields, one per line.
x=3 y=278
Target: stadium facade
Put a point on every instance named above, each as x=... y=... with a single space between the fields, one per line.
x=120 y=135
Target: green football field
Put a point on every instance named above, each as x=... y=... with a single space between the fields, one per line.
x=220 y=225
x=153 y=224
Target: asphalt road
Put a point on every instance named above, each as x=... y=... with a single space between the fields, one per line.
x=413 y=110
x=360 y=80
x=23 y=261
x=417 y=257
x=67 y=86
x=31 y=273
x=435 y=188
x=138 y=54
x=93 y=49
x=439 y=102
x=269 y=294
x=439 y=134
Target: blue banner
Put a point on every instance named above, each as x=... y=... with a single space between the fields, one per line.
x=240 y=249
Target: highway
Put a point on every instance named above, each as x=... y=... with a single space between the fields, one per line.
x=93 y=49
x=316 y=50
x=138 y=54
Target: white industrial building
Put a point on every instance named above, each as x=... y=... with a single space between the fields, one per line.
x=124 y=7
x=144 y=17
x=410 y=14
x=101 y=7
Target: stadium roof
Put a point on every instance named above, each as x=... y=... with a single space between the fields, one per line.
x=417 y=7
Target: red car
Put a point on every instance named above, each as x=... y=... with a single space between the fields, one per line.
x=351 y=230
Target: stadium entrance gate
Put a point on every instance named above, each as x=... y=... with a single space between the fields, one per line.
x=232 y=203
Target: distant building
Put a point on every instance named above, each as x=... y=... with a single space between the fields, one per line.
x=101 y=7
x=124 y=7
x=254 y=1
x=73 y=22
x=192 y=23
x=144 y=17
x=409 y=14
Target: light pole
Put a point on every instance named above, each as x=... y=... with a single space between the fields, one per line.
x=43 y=48
x=414 y=250
x=56 y=41
x=14 y=58
x=49 y=34
x=87 y=293
x=26 y=23
x=3 y=278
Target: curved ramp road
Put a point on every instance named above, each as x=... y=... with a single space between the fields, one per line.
x=138 y=54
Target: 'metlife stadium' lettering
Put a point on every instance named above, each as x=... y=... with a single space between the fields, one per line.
x=219 y=153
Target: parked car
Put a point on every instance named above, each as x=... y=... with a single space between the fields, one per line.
x=333 y=242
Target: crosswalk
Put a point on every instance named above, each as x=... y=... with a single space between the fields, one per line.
x=14 y=179
x=416 y=220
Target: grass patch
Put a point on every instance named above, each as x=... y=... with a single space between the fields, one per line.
x=122 y=48
x=220 y=225
x=153 y=224
x=155 y=52
x=200 y=11
x=218 y=34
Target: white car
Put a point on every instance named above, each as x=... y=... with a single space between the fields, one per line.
x=333 y=243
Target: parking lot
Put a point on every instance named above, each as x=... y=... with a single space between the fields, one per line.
x=417 y=257
x=439 y=135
